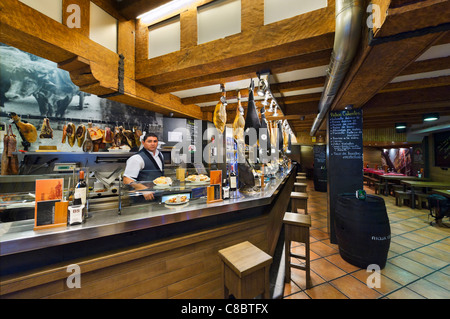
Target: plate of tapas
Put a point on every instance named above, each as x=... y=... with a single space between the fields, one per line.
x=162 y=182
x=177 y=200
x=200 y=179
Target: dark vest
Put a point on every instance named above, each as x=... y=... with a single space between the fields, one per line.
x=151 y=169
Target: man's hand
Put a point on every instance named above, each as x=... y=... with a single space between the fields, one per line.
x=148 y=195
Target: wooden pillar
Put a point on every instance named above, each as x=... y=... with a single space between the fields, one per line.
x=189 y=29
x=344 y=159
x=252 y=15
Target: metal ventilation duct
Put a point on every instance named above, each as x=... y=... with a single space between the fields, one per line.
x=349 y=14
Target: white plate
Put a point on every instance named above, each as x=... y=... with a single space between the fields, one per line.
x=119 y=151
x=176 y=204
x=161 y=186
x=199 y=183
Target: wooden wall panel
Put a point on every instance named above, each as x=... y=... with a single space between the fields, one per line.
x=188 y=266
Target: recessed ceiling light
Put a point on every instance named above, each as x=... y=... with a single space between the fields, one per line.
x=400 y=126
x=164 y=10
x=429 y=117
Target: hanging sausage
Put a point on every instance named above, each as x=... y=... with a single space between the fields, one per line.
x=220 y=113
x=10 y=161
x=239 y=121
x=252 y=119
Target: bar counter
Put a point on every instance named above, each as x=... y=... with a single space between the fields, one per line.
x=108 y=240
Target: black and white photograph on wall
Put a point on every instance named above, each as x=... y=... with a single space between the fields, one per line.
x=43 y=101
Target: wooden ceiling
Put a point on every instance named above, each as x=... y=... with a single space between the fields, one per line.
x=398 y=80
x=399 y=73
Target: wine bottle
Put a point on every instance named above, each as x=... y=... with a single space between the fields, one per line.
x=233 y=180
x=81 y=192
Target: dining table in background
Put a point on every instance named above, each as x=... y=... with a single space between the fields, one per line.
x=398 y=178
x=423 y=184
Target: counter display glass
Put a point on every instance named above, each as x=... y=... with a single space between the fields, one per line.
x=178 y=196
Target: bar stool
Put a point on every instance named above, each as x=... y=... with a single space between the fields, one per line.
x=300 y=179
x=245 y=271
x=297 y=229
x=400 y=197
x=422 y=198
x=300 y=187
x=299 y=200
x=301 y=174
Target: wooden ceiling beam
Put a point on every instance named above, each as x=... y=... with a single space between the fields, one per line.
x=304 y=61
x=93 y=67
x=417 y=84
x=388 y=99
x=304 y=84
x=427 y=66
x=255 y=45
x=375 y=66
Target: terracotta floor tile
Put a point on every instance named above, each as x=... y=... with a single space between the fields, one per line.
x=290 y=288
x=411 y=266
x=387 y=285
x=298 y=295
x=436 y=253
x=397 y=248
x=430 y=234
x=418 y=260
x=446 y=270
x=354 y=289
x=425 y=259
x=439 y=278
x=326 y=270
x=406 y=242
x=299 y=277
x=325 y=291
x=418 y=238
x=404 y=293
x=337 y=260
x=429 y=290
x=398 y=274
x=442 y=246
x=322 y=249
x=318 y=234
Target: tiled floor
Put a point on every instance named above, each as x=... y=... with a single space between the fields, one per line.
x=418 y=265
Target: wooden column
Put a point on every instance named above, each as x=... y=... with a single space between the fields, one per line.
x=189 y=29
x=344 y=159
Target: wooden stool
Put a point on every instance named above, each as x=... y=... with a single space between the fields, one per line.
x=299 y=201
x=245 y=271
x=300 y=187
x=400 y=196
x=297 y=229
x=421 y=199
x=300 y=179
x=395 y=188
x=379 y=188
x=301 y=174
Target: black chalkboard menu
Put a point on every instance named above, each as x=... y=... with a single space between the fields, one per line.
x=320 y=168
x=346 y=141
x=345 y=158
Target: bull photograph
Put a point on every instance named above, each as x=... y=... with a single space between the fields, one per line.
x=43 y=98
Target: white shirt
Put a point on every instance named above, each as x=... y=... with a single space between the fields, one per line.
x=136 y=163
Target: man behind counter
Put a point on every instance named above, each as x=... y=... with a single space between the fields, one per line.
x=145 y=165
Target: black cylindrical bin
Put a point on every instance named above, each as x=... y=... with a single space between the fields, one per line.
x=320 y=179
x=362 y=230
